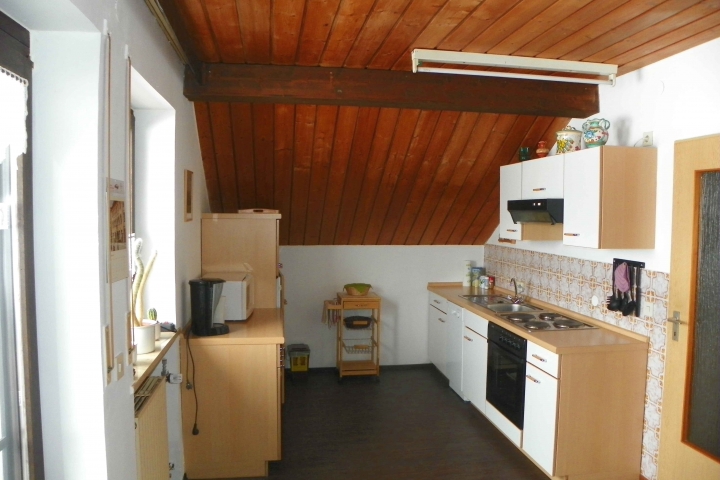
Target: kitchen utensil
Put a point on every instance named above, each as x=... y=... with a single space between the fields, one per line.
x=629 y=307
x=614 y=304
x=638 y=293
x=622 y=281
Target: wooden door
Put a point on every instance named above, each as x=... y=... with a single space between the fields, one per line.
x=679 y=458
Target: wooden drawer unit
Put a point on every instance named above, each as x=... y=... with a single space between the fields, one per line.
x=361 y=304
x=544 y=359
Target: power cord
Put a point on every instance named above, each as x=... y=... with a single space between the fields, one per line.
x=191 y=385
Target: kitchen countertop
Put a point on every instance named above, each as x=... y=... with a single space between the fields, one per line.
x=560 y=342
x=265 y=326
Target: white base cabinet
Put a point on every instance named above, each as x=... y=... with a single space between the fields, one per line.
x=453 y=347
x=437 y=338
x=541 y=395
x=474 y=353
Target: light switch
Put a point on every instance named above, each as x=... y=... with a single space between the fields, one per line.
x=120 y=365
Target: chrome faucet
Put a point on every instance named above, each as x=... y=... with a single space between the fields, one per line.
x=517 y=298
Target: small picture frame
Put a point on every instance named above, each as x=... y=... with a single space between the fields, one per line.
x=188 y=196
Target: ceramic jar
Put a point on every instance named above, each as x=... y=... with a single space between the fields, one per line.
x=568 y=140
x=542 y=149
x=595 y=132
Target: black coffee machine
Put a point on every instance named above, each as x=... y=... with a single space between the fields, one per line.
x=204 y=297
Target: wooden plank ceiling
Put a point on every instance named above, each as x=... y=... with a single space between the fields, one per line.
x=400 y=174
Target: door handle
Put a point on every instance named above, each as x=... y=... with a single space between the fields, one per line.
x=532 y=379
x=675 y=320
x=467 y=338
x=538 y=189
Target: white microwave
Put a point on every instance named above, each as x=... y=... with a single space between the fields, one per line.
x=238 y=295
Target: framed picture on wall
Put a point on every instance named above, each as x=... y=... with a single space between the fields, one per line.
x=188 y=195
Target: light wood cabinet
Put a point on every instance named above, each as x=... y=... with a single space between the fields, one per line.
x=231 y=239
x=610 y=195
x=541 y=397
x=437 y=338
x=238 y=382
x=542 y=178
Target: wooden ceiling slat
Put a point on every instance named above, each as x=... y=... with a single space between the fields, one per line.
x=342 y=145
x=490 y=213
x=458 y=141
x=680 y=46
x=305 y=118
x=406 y=125
x=263 y=137
x=646 y=35
x=198 y=29
x=379 y=23
x=483 y=16
x=223 y=15
x=284 y=147
x=458 y=221
x=319 y=16
x=287 y=18
x=224 y=154
x=452 y=14
x=513 y=20
x=322 y=155
x=441 y=137
x=669 y=39
x=598 y=27
x=242 y=124
x=638 y=24
x=349 y=20
x=413 y=160
x=415 y=19
x=255 y=30
x=207 y=151
x=539 y=25
x=384 y=132
x=441 y=225
x=581 y=18
x=362 y=142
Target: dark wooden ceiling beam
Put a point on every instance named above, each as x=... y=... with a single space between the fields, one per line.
x=382 y=88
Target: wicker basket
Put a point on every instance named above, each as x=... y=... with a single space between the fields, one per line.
x=357 y=289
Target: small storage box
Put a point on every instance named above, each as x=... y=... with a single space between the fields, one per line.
x=299 y=357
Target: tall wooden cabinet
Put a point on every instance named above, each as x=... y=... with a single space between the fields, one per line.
x=231 y=239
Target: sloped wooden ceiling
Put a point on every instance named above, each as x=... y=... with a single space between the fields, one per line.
x=363 y=173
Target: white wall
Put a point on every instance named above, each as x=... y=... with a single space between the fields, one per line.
x=399 y=274
x=676 y=98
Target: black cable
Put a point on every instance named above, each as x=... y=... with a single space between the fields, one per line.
x=193 y=385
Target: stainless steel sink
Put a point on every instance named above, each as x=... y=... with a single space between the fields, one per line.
x=512 y=307
x=486 y=300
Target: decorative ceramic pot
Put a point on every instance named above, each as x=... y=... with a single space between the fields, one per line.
x=568 y=140
x=542 y=149
x=595 y=132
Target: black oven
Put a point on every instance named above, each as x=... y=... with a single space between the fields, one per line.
x=506 y=373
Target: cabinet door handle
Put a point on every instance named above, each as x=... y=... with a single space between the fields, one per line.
x=513 y=230
x=571 y=234
x=467 y=338
x=441 y=320
x=539 y=358
x=282 y=357
x=539 y=189
x=532 y=379
x=436 y=301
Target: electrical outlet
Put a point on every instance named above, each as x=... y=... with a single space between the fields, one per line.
x=647 y=309
x=647 y=139
x=174 y=378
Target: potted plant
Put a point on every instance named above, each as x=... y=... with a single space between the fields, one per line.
x=152 y=316
x=143 y=330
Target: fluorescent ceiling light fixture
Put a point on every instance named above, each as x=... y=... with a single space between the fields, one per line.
x=605 y=72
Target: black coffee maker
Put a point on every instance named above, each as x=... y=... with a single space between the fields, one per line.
x=204 y=297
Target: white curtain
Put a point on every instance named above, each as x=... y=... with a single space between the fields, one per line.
x=13 y=110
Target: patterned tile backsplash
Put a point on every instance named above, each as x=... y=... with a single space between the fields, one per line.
x=571 y=283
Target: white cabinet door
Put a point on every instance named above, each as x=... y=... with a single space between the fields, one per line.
x=510 y=189
x=454 y=347
x=542 y=178
x=437 y=322
x=474 y=368
x=581 y=226
x=541 y=396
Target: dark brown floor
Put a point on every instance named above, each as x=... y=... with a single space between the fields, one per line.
x=410 y=425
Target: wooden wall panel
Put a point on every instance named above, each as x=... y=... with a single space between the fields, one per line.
x=319 y=15
x=207 y=148
x=255 y=30
x=195 y=21
x=287 y=16
x=305 y=116
x=482 y=18
x=227 y=39
x=349 y=20
x=242 y=123
x=284 y=147
x=379 y=23
x=222 y=138
x=263 y=137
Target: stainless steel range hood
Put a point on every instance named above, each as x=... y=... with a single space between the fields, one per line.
x=549 y=210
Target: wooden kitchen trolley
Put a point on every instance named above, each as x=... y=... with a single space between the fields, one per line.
x=358 y=334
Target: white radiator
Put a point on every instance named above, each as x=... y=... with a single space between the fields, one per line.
x=151 y=432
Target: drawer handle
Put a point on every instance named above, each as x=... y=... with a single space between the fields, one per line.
x=571 y=234
x=467 y=338
x=513 y=230
x=532 y=379
x=436 y=301
x=539 y=358
x=538 y=189
x=441 y=320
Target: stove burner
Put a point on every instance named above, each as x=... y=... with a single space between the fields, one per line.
x=567 y=323
x=536 y=325
x=520 y=317
x=548 y=316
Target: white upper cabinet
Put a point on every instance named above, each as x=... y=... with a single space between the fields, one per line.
x=610 y=197
x=510 y=189
x=542 y=178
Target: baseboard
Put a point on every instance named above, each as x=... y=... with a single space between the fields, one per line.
x=414 y=366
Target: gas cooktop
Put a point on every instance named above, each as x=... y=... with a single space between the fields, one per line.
x=545 y=321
